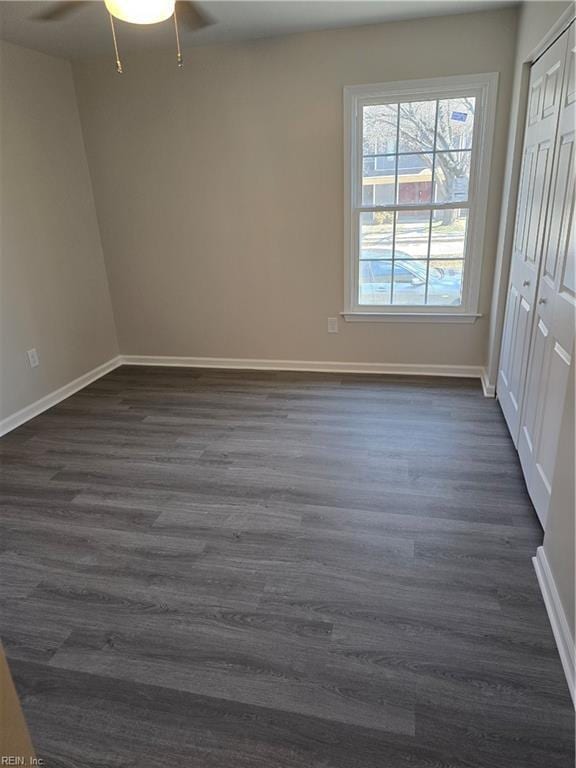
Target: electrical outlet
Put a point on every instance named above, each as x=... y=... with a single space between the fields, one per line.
x=33 y=358
x=332 y=325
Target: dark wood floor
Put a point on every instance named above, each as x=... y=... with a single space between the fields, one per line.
x=259 y=570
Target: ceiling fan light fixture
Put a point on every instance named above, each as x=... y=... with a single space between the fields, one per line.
x=141 y=11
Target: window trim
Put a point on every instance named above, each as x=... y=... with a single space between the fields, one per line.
x=484 y=87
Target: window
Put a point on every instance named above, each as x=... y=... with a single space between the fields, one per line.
x=417 y=163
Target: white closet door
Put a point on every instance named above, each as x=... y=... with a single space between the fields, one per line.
x=552 y=344
x=541 y=124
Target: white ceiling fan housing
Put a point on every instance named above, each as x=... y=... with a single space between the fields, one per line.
x=141 y=11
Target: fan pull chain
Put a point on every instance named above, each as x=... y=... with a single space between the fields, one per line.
x=118 y=62
x=179 y=58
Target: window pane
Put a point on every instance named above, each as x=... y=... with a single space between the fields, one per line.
x=379 y=189
x=380 y=125
x=448 y=233
x=412 y=229
x=415 y=179
x=417 y=123
x=445 y=282
x=378 y=165
x=455 y=123
x=384 y=191
x=367 y=193
x=375 y=282
x=376 y=232
x=409 y=282
x=452 y=177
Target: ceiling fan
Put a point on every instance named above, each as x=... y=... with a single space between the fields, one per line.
x=137 y=12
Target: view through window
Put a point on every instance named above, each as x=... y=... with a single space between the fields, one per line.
x=415 y=178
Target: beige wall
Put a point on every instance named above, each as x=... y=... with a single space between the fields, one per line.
x=220 y=194
x=560 y=526
x=53 y=288
x=536 y=20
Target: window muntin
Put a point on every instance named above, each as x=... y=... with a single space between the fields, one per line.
x=417 y=195
x=415 y=156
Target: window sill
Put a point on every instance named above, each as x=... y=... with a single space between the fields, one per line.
x=408 y=317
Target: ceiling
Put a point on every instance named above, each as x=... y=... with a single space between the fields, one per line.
x=87 y=32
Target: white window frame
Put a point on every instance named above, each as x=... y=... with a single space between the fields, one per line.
x=484 y=88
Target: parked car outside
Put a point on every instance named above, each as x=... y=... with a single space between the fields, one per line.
x=409 y=276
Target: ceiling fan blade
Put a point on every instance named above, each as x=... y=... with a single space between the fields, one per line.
x=192 y=16
x=58 y=11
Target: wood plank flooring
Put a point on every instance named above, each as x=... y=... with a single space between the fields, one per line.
x=261 y=570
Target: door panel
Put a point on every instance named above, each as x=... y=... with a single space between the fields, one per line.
x=538 y=455
x=526 y=185
x=537 y=210
x=552 y=85
x=510 y=332
x=553 y=405
x=571 y=67
x=552 y=343
x=559 y=225
x=519 y=351
x=545 y=93
x=536 y=381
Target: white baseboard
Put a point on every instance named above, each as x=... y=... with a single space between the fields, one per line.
x=558 y=621
x=20 y=417
x=488 y=388
x=471 y=371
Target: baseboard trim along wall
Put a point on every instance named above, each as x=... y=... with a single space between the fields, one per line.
x=35 y=409
x=400 y=369
x=558 y=621
x=488 y=388
x=405 y=369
